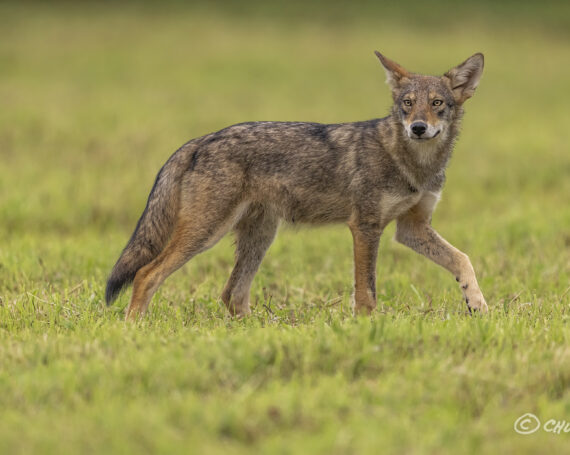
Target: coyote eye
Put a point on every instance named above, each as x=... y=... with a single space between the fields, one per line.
x=407 y=102
x=437 y=102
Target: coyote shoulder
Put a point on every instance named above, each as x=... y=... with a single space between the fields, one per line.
x=251 y=176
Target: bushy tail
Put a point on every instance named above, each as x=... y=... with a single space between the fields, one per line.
x=153 y=230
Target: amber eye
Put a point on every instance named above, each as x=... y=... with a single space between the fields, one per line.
x=437 y=103
x=407 y=102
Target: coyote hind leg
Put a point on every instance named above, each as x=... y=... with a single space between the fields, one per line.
x=255 y=233
x=190 y=237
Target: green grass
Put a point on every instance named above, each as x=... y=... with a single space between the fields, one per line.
x=94 y=99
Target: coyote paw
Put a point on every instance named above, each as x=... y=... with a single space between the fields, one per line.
x=238 y=306
x=475 y=300
x=239 y=311
x=240 y=314
x=363 y=303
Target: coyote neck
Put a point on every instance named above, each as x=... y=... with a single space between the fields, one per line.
x=423 y=164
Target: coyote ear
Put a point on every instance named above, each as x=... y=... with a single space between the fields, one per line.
x=394 y=72
x=464 y=78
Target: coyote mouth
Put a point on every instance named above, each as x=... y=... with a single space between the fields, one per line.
x=426 y=138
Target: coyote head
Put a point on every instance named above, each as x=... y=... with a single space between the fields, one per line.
x=426 y=106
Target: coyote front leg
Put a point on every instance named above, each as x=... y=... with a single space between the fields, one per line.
x=366 y=238
x=414 y=230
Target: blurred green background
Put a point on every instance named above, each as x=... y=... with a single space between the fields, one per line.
x=95 y=96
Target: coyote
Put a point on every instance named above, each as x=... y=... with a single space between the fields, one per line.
x=250 y=176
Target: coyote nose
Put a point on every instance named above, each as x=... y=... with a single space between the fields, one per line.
x=419 y=128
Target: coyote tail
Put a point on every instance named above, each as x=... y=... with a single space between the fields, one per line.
x=153 y=229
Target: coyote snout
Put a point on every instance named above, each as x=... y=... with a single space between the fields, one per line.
x=422 y=131
x=249 y=177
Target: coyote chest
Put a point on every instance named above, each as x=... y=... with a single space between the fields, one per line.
x=392 y=205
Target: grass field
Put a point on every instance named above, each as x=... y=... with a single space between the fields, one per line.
x=95 y=98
